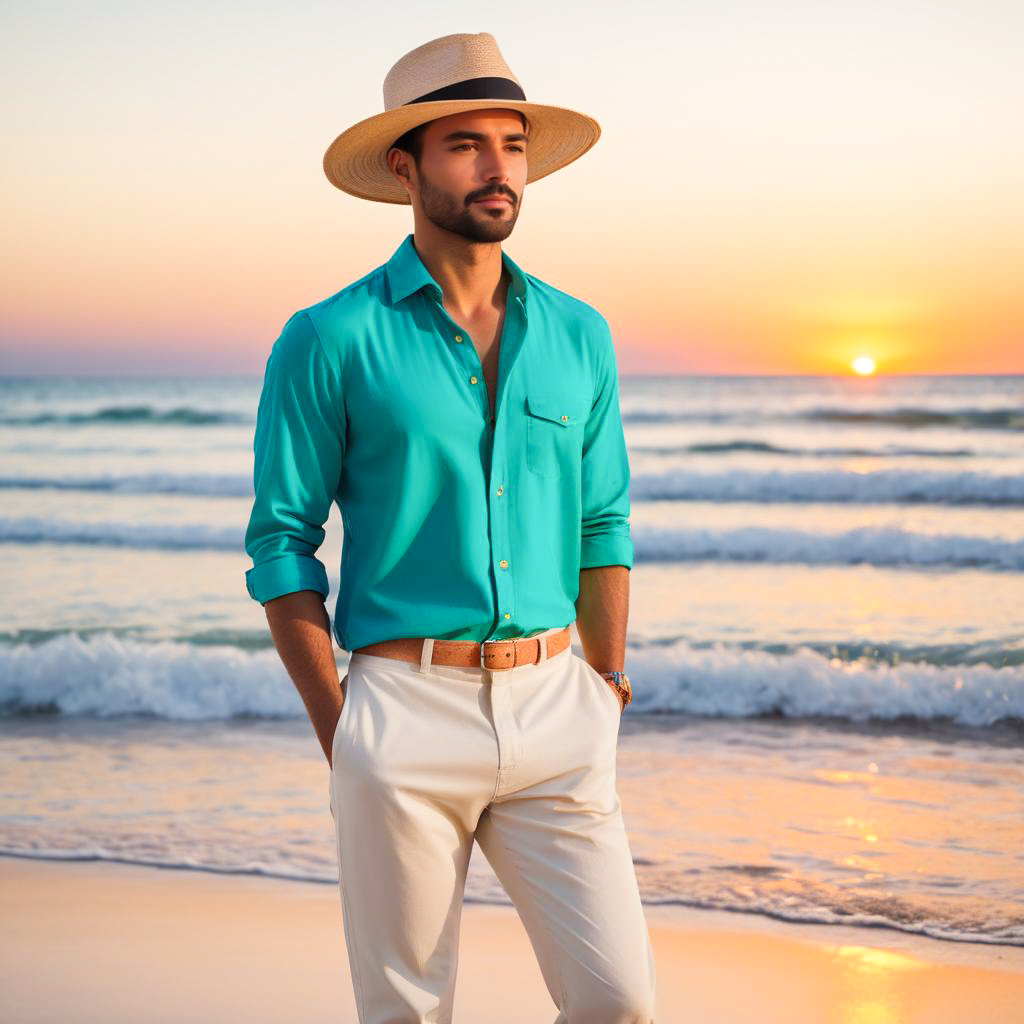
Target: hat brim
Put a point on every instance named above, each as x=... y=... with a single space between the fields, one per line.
x=356 y=161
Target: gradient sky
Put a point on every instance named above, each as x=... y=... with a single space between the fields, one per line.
x=779 y=186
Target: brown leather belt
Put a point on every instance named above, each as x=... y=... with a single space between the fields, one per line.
x=491 y=654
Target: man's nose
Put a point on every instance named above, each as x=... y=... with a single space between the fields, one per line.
x=496 y=165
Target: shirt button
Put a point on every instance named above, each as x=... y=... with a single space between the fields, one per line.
x=472 y=380
x=508 y=615
x=565 y=419
x=503 y=563
x=458 y=338
x=500 y=491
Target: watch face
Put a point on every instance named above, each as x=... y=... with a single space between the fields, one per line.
x=621 y=684
x=627 y=688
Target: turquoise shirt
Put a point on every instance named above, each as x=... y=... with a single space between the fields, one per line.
x=454 y=527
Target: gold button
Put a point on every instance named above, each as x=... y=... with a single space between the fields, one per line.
x=565 y=419
x=507 y=615
x=472 y=380
x=501 y=491
x=503 y=563
x=458 y=338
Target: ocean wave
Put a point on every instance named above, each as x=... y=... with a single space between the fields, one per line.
x=169 y=536
x=886 y=546
x=105 y=676
x=785 y=896
x=767 y=890
x=131 y=415
x=767 y=448
x=797 y=486
x=720 y=680
x=219 y=485
x=833 y=486
x=891 y=547
x=1011 y=418
x=646 y=414
x=908 y=417
x=944 y=654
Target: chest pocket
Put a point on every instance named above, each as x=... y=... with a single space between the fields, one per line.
x=554 y=432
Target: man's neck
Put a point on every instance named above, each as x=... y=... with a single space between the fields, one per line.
x=470 y=273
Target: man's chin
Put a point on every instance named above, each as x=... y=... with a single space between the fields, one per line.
x=476 y=228
x=489 y=230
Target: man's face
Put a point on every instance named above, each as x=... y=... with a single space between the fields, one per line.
x=472 y=172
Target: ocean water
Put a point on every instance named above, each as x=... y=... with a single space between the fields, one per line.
x=826 y=639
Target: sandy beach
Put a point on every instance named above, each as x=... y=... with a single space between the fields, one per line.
x=110 y=943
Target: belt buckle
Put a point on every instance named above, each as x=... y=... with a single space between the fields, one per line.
x=483 y=652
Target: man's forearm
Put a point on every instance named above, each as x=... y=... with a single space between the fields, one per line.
x=301 y=629
x=602 y=609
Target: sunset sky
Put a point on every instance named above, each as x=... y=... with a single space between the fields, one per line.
x=780 y=187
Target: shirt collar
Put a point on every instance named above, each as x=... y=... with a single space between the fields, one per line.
x=407 y=273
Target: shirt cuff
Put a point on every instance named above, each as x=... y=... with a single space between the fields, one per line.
x=606 y=549
x=285 y=575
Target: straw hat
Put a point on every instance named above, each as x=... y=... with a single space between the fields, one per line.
x=447 y=76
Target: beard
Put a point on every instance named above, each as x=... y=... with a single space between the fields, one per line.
x=458 y=217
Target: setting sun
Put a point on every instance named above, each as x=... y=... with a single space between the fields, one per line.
x=864 y=365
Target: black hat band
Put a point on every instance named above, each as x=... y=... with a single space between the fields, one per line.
x=474 y=89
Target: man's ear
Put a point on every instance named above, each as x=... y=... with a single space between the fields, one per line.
x=400 y=163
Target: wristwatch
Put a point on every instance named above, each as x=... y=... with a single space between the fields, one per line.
x=619 y=681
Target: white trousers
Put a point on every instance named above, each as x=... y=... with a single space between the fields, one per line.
x=428 y=758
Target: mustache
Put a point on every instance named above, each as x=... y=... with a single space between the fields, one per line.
x=497 y=193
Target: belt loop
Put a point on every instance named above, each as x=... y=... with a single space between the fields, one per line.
x=542 y=641
x=426 y=654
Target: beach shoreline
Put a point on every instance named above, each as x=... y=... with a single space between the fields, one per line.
x=99 y=941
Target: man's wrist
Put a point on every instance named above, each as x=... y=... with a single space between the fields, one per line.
x=620 y=682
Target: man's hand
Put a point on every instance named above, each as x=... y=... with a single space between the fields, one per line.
x=301 y=629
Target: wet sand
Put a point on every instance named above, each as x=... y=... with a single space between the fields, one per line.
x=112 y=943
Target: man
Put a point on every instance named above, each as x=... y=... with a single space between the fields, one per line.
x=464 y=415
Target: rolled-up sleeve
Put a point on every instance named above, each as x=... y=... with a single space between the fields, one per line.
x=298 y=447
x=605 y=536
